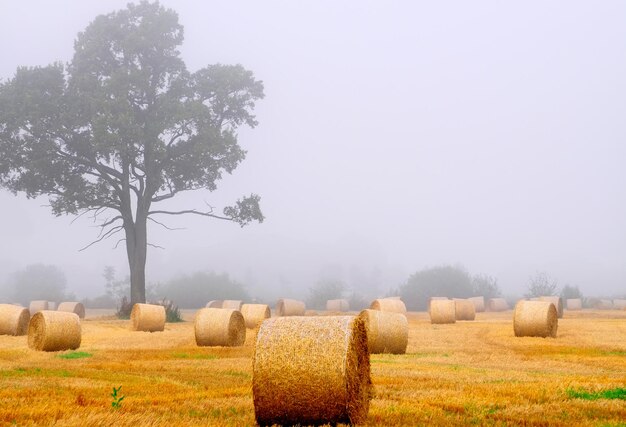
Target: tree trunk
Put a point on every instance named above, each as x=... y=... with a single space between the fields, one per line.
x=136 y=248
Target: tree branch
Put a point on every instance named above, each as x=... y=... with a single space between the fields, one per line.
x=165 y=226
x=193 y=212
x=106 y=235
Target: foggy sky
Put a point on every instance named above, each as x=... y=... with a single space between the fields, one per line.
x=394 y=136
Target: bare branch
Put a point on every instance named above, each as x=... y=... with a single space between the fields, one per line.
x=193 y=212
x=106 y=235
x=165 y=226
x=118 y=242
x=155 y=246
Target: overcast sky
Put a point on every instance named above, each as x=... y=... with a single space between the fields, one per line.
x=394 y=136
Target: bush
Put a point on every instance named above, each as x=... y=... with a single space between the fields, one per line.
x=570 y=292
x=40 y=282
x=541 y=285
x=446 y=281
x=486 y=286
x=194 y=291
x=322 y=291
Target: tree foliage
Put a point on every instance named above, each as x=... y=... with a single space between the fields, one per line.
x=448 y=281
x=40 y=282
x=541 y=284
x=195 y=290
x=486 y=286
x=322 y=291
x=571 y=292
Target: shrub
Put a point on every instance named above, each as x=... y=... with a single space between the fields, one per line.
x=446 y=281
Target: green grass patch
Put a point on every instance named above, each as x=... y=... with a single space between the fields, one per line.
x=613 y=393
x=75 y=355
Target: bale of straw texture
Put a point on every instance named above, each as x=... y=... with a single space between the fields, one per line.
x=13 y=320
x=36 y=306
x=310 y=313
x=254 y=314
x=337 y=305
x=214 y=304
x=220 y=327
x=387 y=332
x=73 y=307
x=232 y=304
x=535 y=319
x=619 y=303
x=54 y=331
x=464 y=309
x=574 y=304
x=290 y=307
x=497 y=304
x=389 y=304
x=311 y=371
x=147 y=317
x=442 y=311
x=479 y=303
x=558 y=303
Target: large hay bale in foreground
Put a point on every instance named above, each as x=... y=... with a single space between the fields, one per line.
x=387 y=332
x=464 y=309
x=147 y=317
x=254 y=314
x=497 y=304
x=233 y=304
x=311 y=370
x=290 y=307
x=535 y=319
x=442 y=311
x=36 y=306
x=479 y=303
x=73 y=307
x=557 y=301
x=223 y=327
x=574 y=304
x=619 y=304
x=393 y=305
x=13 y=320
x=214 y=304
x=337 y=305
x=54 y=331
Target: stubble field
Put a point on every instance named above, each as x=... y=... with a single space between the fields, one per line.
x=460 y=374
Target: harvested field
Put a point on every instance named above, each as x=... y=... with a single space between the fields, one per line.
x=454 y=374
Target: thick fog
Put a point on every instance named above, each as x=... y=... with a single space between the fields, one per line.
x=394 y=136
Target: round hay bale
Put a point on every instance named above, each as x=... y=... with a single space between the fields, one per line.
x=54 y=331
x=619 y=304
x=337 y=305
x=310 y=313
x=389 y=304
x=558 y=303
x=13 y=320
x=214 y=304
x=233 y=304
x=223 y=327
x=479 y=303
x=73 y=307
x=535 y=319
x=148 y=317
x=311 y=371
x=387 y=332
x=290 y=307
x=442 y=311
x=464 y=309
x=254 y=314
x=36 y=306
x=574 y=304
x=497 y=304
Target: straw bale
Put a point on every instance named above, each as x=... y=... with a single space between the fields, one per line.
x=497 y=304
x=619 y=303
x=254 y=314
x=310 y=313
x=464 y=309
x=558 y=303
x=233 y=304
x=387 y=332
x=337 y=305
x=36 y=306
x=54 y=331
x=290 y=307
x=574 y=304
x=311 y=371
x=73 y=307
x=479 y=303
x=535 y=319
x=442 y=311
x=214 y=304
x=389 y=304
x=604 y=304
x=148 y=317
x=13 y=320
x=220 y=327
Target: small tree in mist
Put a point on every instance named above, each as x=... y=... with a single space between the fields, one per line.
x=444 y=281
x=324 y=290
x=40 y=282
x=571 y=292
x=486 y=286
x=541 y=284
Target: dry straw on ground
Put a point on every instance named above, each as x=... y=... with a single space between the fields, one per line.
x=535 y=319
x=254 y=314
x=497 y=304
x=464 y=309
x=558 y=303
x=233 y=304
x=215 y=303
x=13 y=320
x=393 y=305
x=479 y=303
x=54 y=331
x=36 y=306
x=73 y=307
x=337 y=305
x=310 y=313
x=574 y=304
x=442 y=311
x=290 y=307
x=147 y=317
x=387 y=332
x=219 y=327
x=311 y=370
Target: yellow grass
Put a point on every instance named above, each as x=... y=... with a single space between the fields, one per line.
x=457 y=374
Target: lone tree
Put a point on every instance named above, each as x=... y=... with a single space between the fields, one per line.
x=124 y=126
